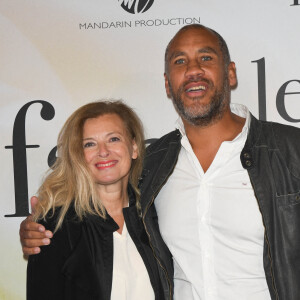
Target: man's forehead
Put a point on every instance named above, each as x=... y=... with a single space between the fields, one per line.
x=190 y=35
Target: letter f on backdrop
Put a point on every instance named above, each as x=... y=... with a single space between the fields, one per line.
x=20 y=158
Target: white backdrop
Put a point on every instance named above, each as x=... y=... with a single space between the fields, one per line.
x=71 y=52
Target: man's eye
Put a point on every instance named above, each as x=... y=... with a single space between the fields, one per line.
x=114 y=139
x=88 y=144
x=206 y=58
x=179 y=61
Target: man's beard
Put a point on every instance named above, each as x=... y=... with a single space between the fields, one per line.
x=203 y=114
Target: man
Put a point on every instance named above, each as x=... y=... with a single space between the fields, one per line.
x=225 y=185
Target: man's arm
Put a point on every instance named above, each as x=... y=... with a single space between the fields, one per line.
x=32 y=234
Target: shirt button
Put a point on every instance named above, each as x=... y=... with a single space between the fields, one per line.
x=248 y=163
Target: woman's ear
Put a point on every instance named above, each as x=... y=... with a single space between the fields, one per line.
x=135 y=152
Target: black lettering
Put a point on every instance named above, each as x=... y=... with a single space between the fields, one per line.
x=20 y=158
x=82 y=25
x=112 y=24
x=261 y=78
x=280 y=103
x=52 y=157
x=89 y=26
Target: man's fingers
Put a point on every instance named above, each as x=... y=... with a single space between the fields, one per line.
x=29 y=224
x=29 y=234
x=33 y=201
x=31 y=243
x=31 y=251
x=33 y=226
x=32 y=234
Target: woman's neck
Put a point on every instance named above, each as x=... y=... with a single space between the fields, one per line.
x=114 y=198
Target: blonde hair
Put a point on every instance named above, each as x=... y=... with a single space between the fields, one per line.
x=70 y=181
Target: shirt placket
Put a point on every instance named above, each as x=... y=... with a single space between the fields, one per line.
x=205 y=239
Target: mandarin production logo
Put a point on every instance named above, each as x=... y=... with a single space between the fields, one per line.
x=136 y=6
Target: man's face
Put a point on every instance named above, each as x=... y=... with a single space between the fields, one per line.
x=196 y=78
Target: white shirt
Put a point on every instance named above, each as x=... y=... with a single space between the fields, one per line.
x=130 y=277
x=212 y=225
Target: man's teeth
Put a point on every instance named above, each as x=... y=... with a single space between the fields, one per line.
x=197 y=88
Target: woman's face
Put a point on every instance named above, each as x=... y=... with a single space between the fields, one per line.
x=108 y=150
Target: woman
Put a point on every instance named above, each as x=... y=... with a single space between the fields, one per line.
x=91 y=201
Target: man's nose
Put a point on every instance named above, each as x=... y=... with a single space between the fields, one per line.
x=194 y=68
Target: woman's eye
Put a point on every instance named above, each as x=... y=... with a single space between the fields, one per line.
x=88 y=144
x=114 y=139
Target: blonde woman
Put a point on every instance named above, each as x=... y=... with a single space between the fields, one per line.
x=90 y=201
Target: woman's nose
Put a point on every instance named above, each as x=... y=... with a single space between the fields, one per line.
x=103 y=150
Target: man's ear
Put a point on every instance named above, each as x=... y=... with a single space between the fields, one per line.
x=167 y=87
x=232 y=75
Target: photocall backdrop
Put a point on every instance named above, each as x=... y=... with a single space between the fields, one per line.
x=58 y=55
